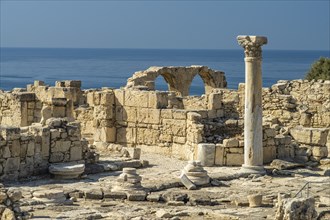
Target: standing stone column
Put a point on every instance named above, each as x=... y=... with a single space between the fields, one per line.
x=253 y=150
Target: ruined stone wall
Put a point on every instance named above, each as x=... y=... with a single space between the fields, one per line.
x=29 y=150
x=275 y=144
x=19 y=109
x=142 y=119
x=68 y=89
x=195 y=102
x=166 y=123
x=300 y=102
x=297 y=114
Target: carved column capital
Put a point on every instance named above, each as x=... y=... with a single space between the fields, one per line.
x=252 y=45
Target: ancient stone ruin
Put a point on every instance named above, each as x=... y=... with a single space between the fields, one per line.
x=65 y=132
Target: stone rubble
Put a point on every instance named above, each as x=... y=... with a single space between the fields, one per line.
x=296 y=209
x=10 y=208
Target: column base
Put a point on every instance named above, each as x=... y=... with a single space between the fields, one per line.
x=253 y=169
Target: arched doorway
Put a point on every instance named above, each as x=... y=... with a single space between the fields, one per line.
x=197 y=86
x=161 y=84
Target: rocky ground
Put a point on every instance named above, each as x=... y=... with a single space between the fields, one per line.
x=225 y=198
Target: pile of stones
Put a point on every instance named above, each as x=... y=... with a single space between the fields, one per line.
x=9 y=204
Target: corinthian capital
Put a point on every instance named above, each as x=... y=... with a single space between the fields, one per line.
x=252 y=45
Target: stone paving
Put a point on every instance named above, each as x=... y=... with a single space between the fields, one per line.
x=225 y=198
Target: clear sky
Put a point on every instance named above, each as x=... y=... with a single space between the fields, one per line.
x=301 y=25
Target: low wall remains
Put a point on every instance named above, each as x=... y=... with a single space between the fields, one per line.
x=29 y=150
x=170 y=123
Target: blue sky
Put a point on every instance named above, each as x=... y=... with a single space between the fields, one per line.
x=298 y=25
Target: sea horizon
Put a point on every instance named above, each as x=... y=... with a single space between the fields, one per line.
x=111 y=67
x=138 y=48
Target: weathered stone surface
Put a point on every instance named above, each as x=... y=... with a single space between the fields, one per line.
x=320 y=151
x=14 y=194
x=12 y=164
x=232 y=142
x=67 y=170
x=325 y=161
x=284 y=165
x=219 y=155
x=93 y=194
x=313 y=136
x=49 y=196
x=187 y=182
x=153 y=197
x=234 y=159
x=128 y=181
x=193 y=172
x=136 y=196
x=296 y=209
x=115 y=195
x=3 y=197
x=163 y=214
x=206 y=154
x=105 y=134
x=255 y=200
x=178 y=78
x=8 y=215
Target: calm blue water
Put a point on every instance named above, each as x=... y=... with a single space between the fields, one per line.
x=111 y=67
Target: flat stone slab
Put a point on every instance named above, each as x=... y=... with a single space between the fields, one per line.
x=49 y=196
x=284 y=165
x=67 y=170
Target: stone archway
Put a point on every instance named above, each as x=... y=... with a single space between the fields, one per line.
x=213 y=79
x=179 y=79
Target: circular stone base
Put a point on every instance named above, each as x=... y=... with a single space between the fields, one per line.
x=199 y=181
x=66 y=170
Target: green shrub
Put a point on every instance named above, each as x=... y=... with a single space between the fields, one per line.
x=320 y=69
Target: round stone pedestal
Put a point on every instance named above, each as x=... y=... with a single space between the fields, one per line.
x=129 y=180
x=196 y=173
x=66 y=170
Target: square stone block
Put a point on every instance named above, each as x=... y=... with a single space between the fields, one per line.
x=158 y=100
x=206 y=154
x=234 y=159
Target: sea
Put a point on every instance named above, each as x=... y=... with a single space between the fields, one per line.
x=98 y=68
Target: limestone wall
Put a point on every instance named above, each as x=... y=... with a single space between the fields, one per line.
x=275 y=144
x=153 y=120
x=140 y=118
x=19 y=108
x=169 y=124
x=29 y=150
x=68 y=89
x=299 y=102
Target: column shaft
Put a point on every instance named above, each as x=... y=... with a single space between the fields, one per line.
x=253 y=149
x=253 y=113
